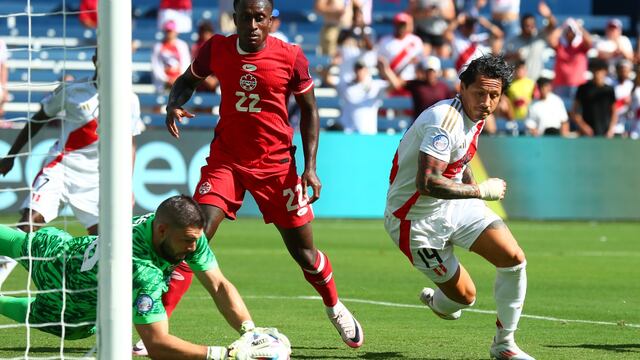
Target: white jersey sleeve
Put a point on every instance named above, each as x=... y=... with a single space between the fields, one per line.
x=439 y=129
x=137 y=126
x=53 y=103
x=437 y=143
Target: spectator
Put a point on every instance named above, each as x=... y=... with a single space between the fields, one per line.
x=594 y=106
x=426 y=89
x=178 y=11
x=530 y=44
x=275 y=26
x=614 y=46
x=520 y=93
x=505 y=14
x=431 y=19
x=4 y=76
x=402 y=50
x=361 y=100
x=634 y=127
x=205 y=32
x=170 y=58
x=467 y=42
x=571 y=43
x=88 y=13
x=334 y=13
x=225 y=19
x=354 y=43
x=623 y=88
x=548 y=115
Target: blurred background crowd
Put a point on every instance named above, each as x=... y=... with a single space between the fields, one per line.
x=377 y=64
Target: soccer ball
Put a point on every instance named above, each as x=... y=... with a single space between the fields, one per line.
x=261 y=344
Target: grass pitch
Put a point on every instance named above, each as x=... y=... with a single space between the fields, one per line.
x=583 y=299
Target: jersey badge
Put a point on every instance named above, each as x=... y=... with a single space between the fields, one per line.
x=249 y=67
x=441 y=142
x=248 y=82
x=144 y=304
x=205 y=187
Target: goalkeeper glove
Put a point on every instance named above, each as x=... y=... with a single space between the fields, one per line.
x=492 y=189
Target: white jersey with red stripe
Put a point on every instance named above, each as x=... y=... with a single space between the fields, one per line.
x=443 y=131
x=76 y=104
x=402 y=54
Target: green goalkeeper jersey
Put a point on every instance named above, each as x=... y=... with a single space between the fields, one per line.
x=63 y=261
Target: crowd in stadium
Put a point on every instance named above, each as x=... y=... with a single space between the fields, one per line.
x=378 y=74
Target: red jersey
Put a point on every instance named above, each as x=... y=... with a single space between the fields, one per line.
x=254 y=127
x=175 y=4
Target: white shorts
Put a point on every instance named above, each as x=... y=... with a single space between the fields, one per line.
x=182 y=18
x=428 y=243
x=58 y=184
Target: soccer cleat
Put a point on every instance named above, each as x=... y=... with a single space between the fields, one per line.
x=347 y=325
x=426 y=296
x=508 y=351
x=139 y=349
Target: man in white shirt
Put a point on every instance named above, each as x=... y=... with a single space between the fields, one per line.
x=403 y=49
x=547 y=116
x=434 y=203
x=361 y=100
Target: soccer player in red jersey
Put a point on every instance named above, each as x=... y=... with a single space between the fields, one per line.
x=252 y=148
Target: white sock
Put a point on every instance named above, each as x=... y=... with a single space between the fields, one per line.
x=6 y=266
x=442 y=304
x=334 y=310
x=509 y=292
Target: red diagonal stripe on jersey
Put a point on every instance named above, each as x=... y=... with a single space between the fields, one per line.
x=400 y=57
x=455 y=167
x=82 y=136
x=404 y=209
x=405 y=239
x=51 y=164
x=465 y=56
x=394 y=168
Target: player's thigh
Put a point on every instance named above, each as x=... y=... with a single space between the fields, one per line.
x=479 y=229
x=280 y=198
x=220 y=186
x=47 y=193
x=83 y=195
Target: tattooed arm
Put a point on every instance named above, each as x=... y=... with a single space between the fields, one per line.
x=431 y=182
x=467 y=176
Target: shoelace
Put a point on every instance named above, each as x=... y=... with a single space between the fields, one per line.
x=345 y=323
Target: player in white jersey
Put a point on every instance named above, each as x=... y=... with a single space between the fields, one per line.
x=70 y=172
x=442 y=205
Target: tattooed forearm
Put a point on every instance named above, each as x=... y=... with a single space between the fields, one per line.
x=440 y=187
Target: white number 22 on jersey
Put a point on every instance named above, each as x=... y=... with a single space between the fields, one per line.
x=291 y=193
x=252 y=105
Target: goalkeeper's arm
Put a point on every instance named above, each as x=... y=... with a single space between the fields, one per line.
x=162 y=345
x=431 y=182
x=227 y=298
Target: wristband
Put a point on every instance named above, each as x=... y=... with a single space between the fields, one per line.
x=247 y=326
x=216 y=353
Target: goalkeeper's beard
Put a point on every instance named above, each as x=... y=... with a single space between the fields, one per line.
x=167 y=253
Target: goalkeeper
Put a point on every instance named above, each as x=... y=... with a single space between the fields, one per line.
x=161 y=240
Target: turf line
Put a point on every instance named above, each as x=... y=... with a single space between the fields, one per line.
x=479 y=311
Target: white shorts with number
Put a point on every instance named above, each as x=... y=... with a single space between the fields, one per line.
x=428 y=243
x=58 y=184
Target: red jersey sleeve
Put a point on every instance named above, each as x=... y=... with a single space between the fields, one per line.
x=301 y=82
x=202 y=64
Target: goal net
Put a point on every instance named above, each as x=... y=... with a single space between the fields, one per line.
x=43 y=49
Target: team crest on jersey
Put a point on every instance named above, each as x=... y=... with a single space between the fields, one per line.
x=249 y=67
x=248 y=82
x=205 y=187
x=144 y=304
x=441 y=142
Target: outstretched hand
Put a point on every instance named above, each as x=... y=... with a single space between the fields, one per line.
x=309 y=178
x=6 y=164
x=173 y=115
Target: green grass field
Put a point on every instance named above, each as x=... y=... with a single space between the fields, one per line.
x=583 y=299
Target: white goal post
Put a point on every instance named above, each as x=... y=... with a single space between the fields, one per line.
x=115 y=89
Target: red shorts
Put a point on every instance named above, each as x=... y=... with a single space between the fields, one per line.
x=278 y=194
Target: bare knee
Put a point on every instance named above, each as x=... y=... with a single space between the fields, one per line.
x=512 y=258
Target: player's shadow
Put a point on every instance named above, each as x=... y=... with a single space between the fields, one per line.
x=617 y=348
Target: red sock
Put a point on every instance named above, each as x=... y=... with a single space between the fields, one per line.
x=322 y=279
x=178 y=286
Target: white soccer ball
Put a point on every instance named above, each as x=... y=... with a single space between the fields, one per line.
x=262 y=344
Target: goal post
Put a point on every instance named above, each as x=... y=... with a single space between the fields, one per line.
x=115 y=89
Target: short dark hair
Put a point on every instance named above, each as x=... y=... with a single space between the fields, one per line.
x=205 y=26
x=596 y=64
x=525 y=17
x=491 y=66
x=542 y=81
x=181 y=211
x=236 y=2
